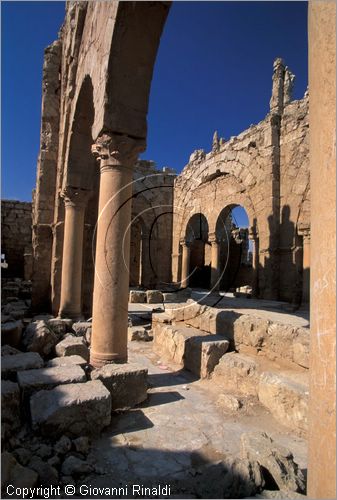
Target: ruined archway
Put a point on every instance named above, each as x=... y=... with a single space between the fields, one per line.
x=196 y=235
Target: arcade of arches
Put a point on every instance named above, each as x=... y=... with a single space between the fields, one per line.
x=104 y=220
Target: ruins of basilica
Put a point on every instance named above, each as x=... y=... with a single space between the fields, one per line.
x=111 y=234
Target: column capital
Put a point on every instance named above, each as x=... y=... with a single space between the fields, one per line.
x=212 y=238
x=113 y=150
x=304 y=232
x=75 y=197
x=253 y=233
x=184 y=243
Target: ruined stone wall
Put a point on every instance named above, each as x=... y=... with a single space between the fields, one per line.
x=265 y=170
x=16 y=238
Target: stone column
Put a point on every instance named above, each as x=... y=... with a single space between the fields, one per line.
x=305 y=233
x=215 y=262
x=117 y=155
x=322 y=154
x=185 y=267
x=253 y=236
x=75 y=201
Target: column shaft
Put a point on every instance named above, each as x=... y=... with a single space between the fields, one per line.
x=71 y=281
x=185 y=268
x=215 y=266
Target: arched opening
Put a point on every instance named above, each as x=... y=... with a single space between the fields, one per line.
x=235 y=250
x=200 y=251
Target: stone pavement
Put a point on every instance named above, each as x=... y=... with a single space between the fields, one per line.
x=177 y=431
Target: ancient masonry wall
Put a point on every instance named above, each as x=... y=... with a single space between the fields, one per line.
x=16 y=238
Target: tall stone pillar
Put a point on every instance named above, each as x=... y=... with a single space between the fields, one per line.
x=185 y=266
x=75 y=201
x=117 y=155
x=215 y=262
x=322 y=150
x=254 y=237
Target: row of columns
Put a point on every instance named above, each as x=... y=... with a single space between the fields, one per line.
x=116 y=155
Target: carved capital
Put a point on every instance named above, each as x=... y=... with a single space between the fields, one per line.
x=184 y=243
x=212 y=238
x=253 y=233
x=114 y=150
x=75 y=197
x=304 y=231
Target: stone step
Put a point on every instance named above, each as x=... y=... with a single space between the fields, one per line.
x=71 y=409
x=282 y=391
x=12 y=364
x=286 y=399
x=47 y=378
x=127 y=384
x=194 y=349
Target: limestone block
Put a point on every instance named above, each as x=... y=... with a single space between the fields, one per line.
x=228 y=402
x=10 y=365
x=137 y=297
x=138 y=333
x=10 y=407
x=67 y=361
x=72 y=409
x=81 y=328
x=7 y=350
x=203 y=353
x=48 y=475
x=286 y=400
x=58 y=326
x=250 y=331
x=154 y=297
x=47 y=378
x=127 y=384
x=279 y=340
x=74 y=466
x=11 y=333
x=12 y=473
x=38 y=337
x=276 y=459
x=170 y=341
x=72 y=346
x=237 y=373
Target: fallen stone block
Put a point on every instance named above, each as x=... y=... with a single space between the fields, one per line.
x=12 y=473
x=137 y=297
x=38 y=337
x=286 y=399
x=67 y=361
x=301 y=347
x=228 y=402
x=48 y=475
x=81 y=328
x=71 y=346
x=10 y=407
x=138 y=333
x=74 y=466
x=237 y=373
x=47 y=378
x=11 y=333
x=277 y=460
x=7 y=350
x=127 y=384
x=58 y=326
x=72 y=409
x=203 y=353
x=12 y=364
x=154 y=297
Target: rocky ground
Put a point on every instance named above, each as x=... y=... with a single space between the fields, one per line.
x=116 y=432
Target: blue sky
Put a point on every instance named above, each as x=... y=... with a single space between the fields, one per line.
x=213 y=71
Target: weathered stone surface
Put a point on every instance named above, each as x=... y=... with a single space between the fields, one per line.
x=127 y=384
x=58 y=326
x=14 y=474
x=73 y=409
x=139 y=333
x=48 y=475
x=154 y=297
x=73 y=466
x=82 y=444
x=22 y=455
x=11 y=333
x=286 y=399
x=137 y=297
x=81 y=328
x=7 y=350
x=203 y=353
x=67 y=361
x=228 y=402
x=47 y=378
x=276 y=459
x=72 y=346
x=63 y=445
x=237 y=373
x=10 y=407
x=10 y=365
x=38 y=337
